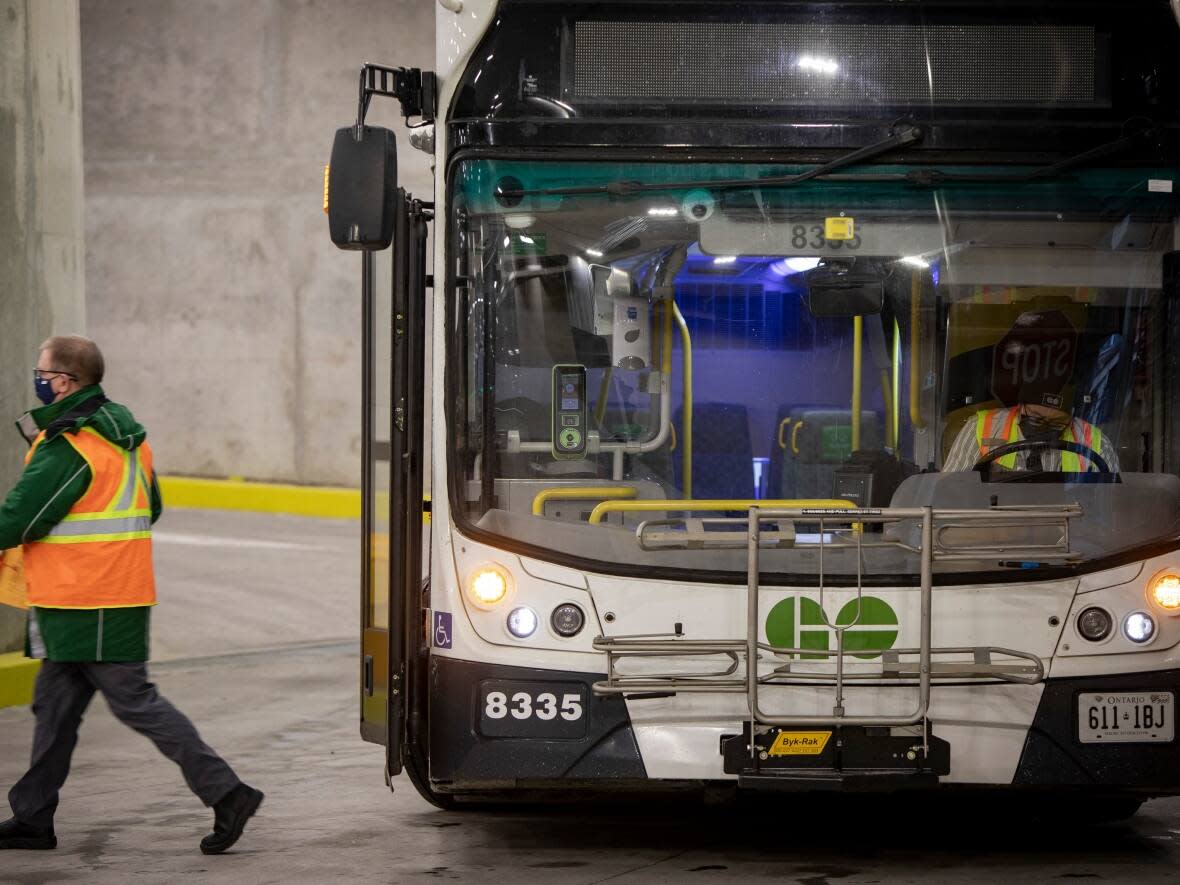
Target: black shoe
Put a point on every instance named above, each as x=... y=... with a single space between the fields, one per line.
x=14 y=834
x=229 y=818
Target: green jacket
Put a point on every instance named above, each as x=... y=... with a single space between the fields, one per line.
x=52 y=482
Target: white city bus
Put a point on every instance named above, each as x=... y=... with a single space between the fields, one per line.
x=790 y=401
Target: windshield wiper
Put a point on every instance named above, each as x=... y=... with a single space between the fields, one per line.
x=626 y=188
x=937 y=177
x=903 y=138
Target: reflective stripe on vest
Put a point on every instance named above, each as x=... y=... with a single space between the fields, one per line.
x=997 y=424
x=1001 y=424
x=1087 y=434
x=99 y=555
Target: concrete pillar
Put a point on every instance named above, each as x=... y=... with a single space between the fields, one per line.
x=42 y=290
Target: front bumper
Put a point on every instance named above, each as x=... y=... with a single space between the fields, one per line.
x=1053 y=755
x=461 y=757
x=607 y=756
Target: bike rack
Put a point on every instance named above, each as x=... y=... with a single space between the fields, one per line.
x=742 y=674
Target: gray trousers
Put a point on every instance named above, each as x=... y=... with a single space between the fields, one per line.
x=61 y=696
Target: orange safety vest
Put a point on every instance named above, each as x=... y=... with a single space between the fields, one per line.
x=1002 y=424
x=100 y=554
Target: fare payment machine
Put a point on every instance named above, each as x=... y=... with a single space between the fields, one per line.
x=568 y=430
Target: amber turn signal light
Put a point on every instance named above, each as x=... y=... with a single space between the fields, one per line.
x=1164 y=591
x=488 y=586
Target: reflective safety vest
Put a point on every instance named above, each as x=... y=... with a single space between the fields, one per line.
x=100 y=554
x=1003 y=424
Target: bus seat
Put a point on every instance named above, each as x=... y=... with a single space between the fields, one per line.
x=780 y=444
x=818 y=439
x=722 y=456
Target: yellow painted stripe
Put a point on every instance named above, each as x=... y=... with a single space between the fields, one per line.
x=260 y=497
x=17 y=675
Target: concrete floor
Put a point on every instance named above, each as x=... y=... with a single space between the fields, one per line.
x=285 y=716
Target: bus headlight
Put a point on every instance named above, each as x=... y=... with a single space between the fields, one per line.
x=522 y=622
x=488 y=586
x=1139 y=627
x=1164 y=591
x=1095 y=624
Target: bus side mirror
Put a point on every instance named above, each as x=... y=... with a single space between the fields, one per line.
x=362 y=185
x=842 y=291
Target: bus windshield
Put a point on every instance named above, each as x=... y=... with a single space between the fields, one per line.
x=674 y=354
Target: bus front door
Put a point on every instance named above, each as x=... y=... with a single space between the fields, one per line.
x=393 y=355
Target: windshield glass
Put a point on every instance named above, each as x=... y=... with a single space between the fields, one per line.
x=671 y=356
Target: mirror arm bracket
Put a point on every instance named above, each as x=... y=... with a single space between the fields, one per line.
x=414 y=88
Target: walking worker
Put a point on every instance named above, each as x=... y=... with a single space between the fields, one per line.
x=82 y=511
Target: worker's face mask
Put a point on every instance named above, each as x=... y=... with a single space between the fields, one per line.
x=44 y=389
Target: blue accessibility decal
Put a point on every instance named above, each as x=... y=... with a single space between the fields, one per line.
x=442 y=629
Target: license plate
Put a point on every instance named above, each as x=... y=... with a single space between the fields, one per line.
x=1126 y=717
x=532 y=709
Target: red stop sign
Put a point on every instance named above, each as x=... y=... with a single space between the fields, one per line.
x=1034 y=361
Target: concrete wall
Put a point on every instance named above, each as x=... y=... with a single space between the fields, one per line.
x=229 y=321
x=41 y=250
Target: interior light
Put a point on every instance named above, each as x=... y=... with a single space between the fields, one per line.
x=522 y=622
x=800 y=265
x=915 y=261
x=725 y=259
x=594 y=252
x=488 y=586
x=663 y=211
x=817 y=64
x=1164 y=591
x=518 y=221
x=1139 y=627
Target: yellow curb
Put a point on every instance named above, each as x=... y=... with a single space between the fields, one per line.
x=17 y=674
x=260 y=497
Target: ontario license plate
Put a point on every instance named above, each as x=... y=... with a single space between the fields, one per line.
x=1126 y=717
x=532 y=709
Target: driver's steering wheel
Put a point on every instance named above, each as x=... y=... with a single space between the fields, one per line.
x=983 y=465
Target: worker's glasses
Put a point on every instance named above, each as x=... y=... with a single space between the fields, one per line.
x=47 y=374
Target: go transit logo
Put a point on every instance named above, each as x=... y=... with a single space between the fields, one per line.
x=798 y=622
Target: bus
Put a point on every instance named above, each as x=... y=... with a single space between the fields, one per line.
x=773 y=396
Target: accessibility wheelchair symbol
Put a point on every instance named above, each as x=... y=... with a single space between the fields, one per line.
x=442 y=630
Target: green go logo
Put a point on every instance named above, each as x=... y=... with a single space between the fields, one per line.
x=798 y=622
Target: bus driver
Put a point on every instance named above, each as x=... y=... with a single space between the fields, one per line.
x=1042 y=411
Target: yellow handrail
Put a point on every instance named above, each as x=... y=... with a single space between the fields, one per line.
x=665 y=321
x=888 y=409
x=915 y=354
x=686 y=428
x=649 y=505
x=782 y=443
x=580 y=493
x=896 y=385
x=795 y=437
x=603 y=392
x=858 y=326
